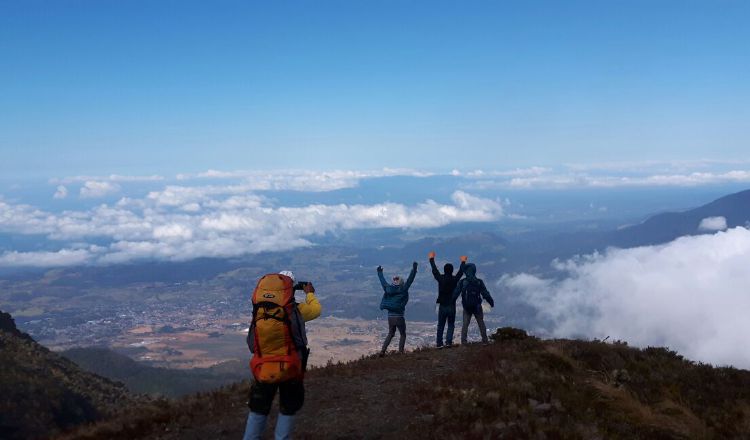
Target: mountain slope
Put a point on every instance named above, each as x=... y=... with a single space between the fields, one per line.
x=140 y=378
x=516 y=388
x=42 y=393
x=662 y=228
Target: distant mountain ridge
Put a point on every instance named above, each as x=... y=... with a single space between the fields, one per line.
x=42 y=393
x=662 y=228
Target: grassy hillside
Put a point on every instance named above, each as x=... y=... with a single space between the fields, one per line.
x=514 y=388
x=140 y=378
x=42 y=393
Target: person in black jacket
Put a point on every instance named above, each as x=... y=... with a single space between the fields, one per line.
x=447 y=305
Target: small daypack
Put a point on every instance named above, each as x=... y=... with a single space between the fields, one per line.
x=472 y=294
x=276 y=336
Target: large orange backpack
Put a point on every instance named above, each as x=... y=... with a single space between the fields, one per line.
x=276 y=335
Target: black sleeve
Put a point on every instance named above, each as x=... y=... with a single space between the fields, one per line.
x=460 y=271
x=435 y=271
x=457 y=290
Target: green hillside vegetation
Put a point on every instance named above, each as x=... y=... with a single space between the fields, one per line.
x=144 y=379
x=42 y=393
x=517 y=387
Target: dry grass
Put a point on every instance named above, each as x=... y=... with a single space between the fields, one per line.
x=515 y=388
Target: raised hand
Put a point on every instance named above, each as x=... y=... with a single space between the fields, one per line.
x=431 y=255
x=380 y=268
x=464 y=258
x=415 y=264
x=309 y=288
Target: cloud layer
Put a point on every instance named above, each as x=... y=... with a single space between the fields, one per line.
x=541 y=178
x=691 y=295
x=183 y=222
x=603 y=175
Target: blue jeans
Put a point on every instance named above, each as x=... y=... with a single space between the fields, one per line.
x=446 y=313
x=256 y=424
x=291 y=399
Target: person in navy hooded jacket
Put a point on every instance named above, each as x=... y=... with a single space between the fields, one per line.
x=471 y=290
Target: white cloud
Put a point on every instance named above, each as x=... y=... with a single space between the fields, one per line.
x=110 y=178
x=61 y=192
x=95 y=189
x=64 y=257
x=713 y=224
x=301 y=180
x=181 y=223
x=690 y=295
x=173 y=231
x=566 y=180
x=656 y=167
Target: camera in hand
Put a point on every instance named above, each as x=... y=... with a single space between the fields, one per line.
x=301 y=285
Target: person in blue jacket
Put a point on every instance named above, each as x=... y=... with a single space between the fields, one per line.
x=395 y=297
x=471 y=290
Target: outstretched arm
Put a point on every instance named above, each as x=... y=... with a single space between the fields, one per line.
x=435 y=271
x=381 y=277
x=461 y=270
x=486 y=295
x=412 y=275
x=310 y=309
x=457 y=290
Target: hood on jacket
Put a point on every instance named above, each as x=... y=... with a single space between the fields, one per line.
x=470 y=270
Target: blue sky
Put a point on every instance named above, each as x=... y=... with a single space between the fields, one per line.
x=176 y=86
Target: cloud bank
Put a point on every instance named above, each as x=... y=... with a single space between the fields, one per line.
x=181 y=223
x=692 y=295
x=547 y=179
x=570 y=176
x=301 y=180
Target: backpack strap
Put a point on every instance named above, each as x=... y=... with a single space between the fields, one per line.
x=266 y=306
x=253 y=329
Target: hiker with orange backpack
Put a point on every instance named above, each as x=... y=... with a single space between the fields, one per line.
x=278 y=341
x=395 y=297
x=447 y=283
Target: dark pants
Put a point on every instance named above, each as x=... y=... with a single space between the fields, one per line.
x=446 y=313
x=393 y=324
x=291 y=397
x=479 y=314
